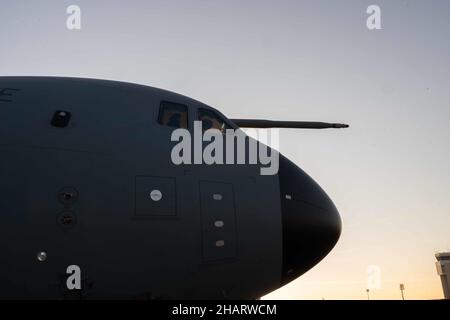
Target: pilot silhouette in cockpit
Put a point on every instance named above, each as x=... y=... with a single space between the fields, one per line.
x=175 y=120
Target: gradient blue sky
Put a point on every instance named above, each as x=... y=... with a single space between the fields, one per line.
x=388 y=174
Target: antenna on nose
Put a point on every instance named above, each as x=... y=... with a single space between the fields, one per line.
x=256 y=123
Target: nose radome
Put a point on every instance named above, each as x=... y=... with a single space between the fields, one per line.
x=311 y=222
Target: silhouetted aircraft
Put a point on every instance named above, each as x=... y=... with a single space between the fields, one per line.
x=86 y=179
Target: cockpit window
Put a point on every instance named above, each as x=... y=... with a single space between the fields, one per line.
x=173 y=115
x=211 y=120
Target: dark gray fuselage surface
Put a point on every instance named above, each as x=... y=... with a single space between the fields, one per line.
x=79 y=193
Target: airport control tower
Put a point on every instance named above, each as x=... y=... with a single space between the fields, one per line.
x=443 y=269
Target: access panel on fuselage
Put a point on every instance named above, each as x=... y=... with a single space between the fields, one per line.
x=219 y=235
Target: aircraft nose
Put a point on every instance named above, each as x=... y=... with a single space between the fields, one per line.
x=311 y=222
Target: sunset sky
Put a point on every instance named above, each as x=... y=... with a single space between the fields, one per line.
x=388 y=174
